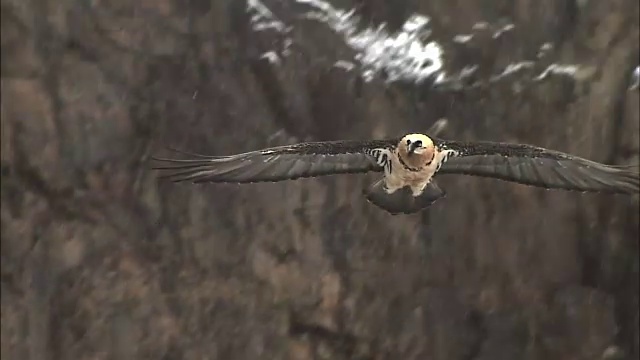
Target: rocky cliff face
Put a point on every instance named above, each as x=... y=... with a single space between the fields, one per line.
x=101 y=260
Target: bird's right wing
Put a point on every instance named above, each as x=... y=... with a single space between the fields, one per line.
x=282 y=163
x=536 y=166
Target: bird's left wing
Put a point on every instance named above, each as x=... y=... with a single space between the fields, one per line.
x=535 y=166
x=282 y=163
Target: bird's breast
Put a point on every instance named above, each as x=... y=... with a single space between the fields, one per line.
x=400 y=176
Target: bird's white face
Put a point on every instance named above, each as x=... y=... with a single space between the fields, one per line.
x=417 y=143
x=417 y=150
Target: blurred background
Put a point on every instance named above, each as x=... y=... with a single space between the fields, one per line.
x=100 y=260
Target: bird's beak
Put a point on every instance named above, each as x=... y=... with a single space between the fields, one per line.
x=412 y=148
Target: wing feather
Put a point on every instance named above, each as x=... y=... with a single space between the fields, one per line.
x=536 y=166
x=277 y=163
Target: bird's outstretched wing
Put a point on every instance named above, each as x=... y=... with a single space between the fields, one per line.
x=536 y=166
x=281 y=163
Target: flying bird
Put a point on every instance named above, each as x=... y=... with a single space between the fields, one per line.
x=409 y=165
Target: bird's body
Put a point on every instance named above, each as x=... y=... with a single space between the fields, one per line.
x=412 y=169
x=409 y=165
x=415 y=180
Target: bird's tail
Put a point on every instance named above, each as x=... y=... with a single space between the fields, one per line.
x=402 y=200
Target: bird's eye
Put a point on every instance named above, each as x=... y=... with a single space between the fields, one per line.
x=419 y=143
x=408 y=142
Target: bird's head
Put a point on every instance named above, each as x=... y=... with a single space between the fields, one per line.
x=416 y=150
